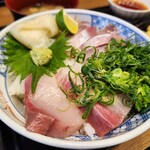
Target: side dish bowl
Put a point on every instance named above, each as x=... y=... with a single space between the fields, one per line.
x=27 y=7
x=127 y=13
x=11 y=110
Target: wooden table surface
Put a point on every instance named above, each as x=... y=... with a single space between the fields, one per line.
x=141 y=142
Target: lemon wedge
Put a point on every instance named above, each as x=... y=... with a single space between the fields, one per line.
x=66 y=22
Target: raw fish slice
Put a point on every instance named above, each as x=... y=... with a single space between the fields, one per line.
x=103 y=37
x=39 y=123
x=37 y=120
x=52 y=102
x=80 y=38
x=119 y=108
x=58 y=129
x=104 y=119
x=90 y=51
x=63 y=79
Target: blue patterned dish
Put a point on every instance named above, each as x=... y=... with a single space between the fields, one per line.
x=11 y=110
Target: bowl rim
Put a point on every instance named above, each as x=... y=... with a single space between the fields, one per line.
x=69 y=144
x=127 y=9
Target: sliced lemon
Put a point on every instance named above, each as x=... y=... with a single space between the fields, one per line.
x=66 y=22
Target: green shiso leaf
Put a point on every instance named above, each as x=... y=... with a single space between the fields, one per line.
x=19 y=61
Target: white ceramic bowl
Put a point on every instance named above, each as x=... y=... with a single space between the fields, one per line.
x=127 y=13
x=11 y=112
